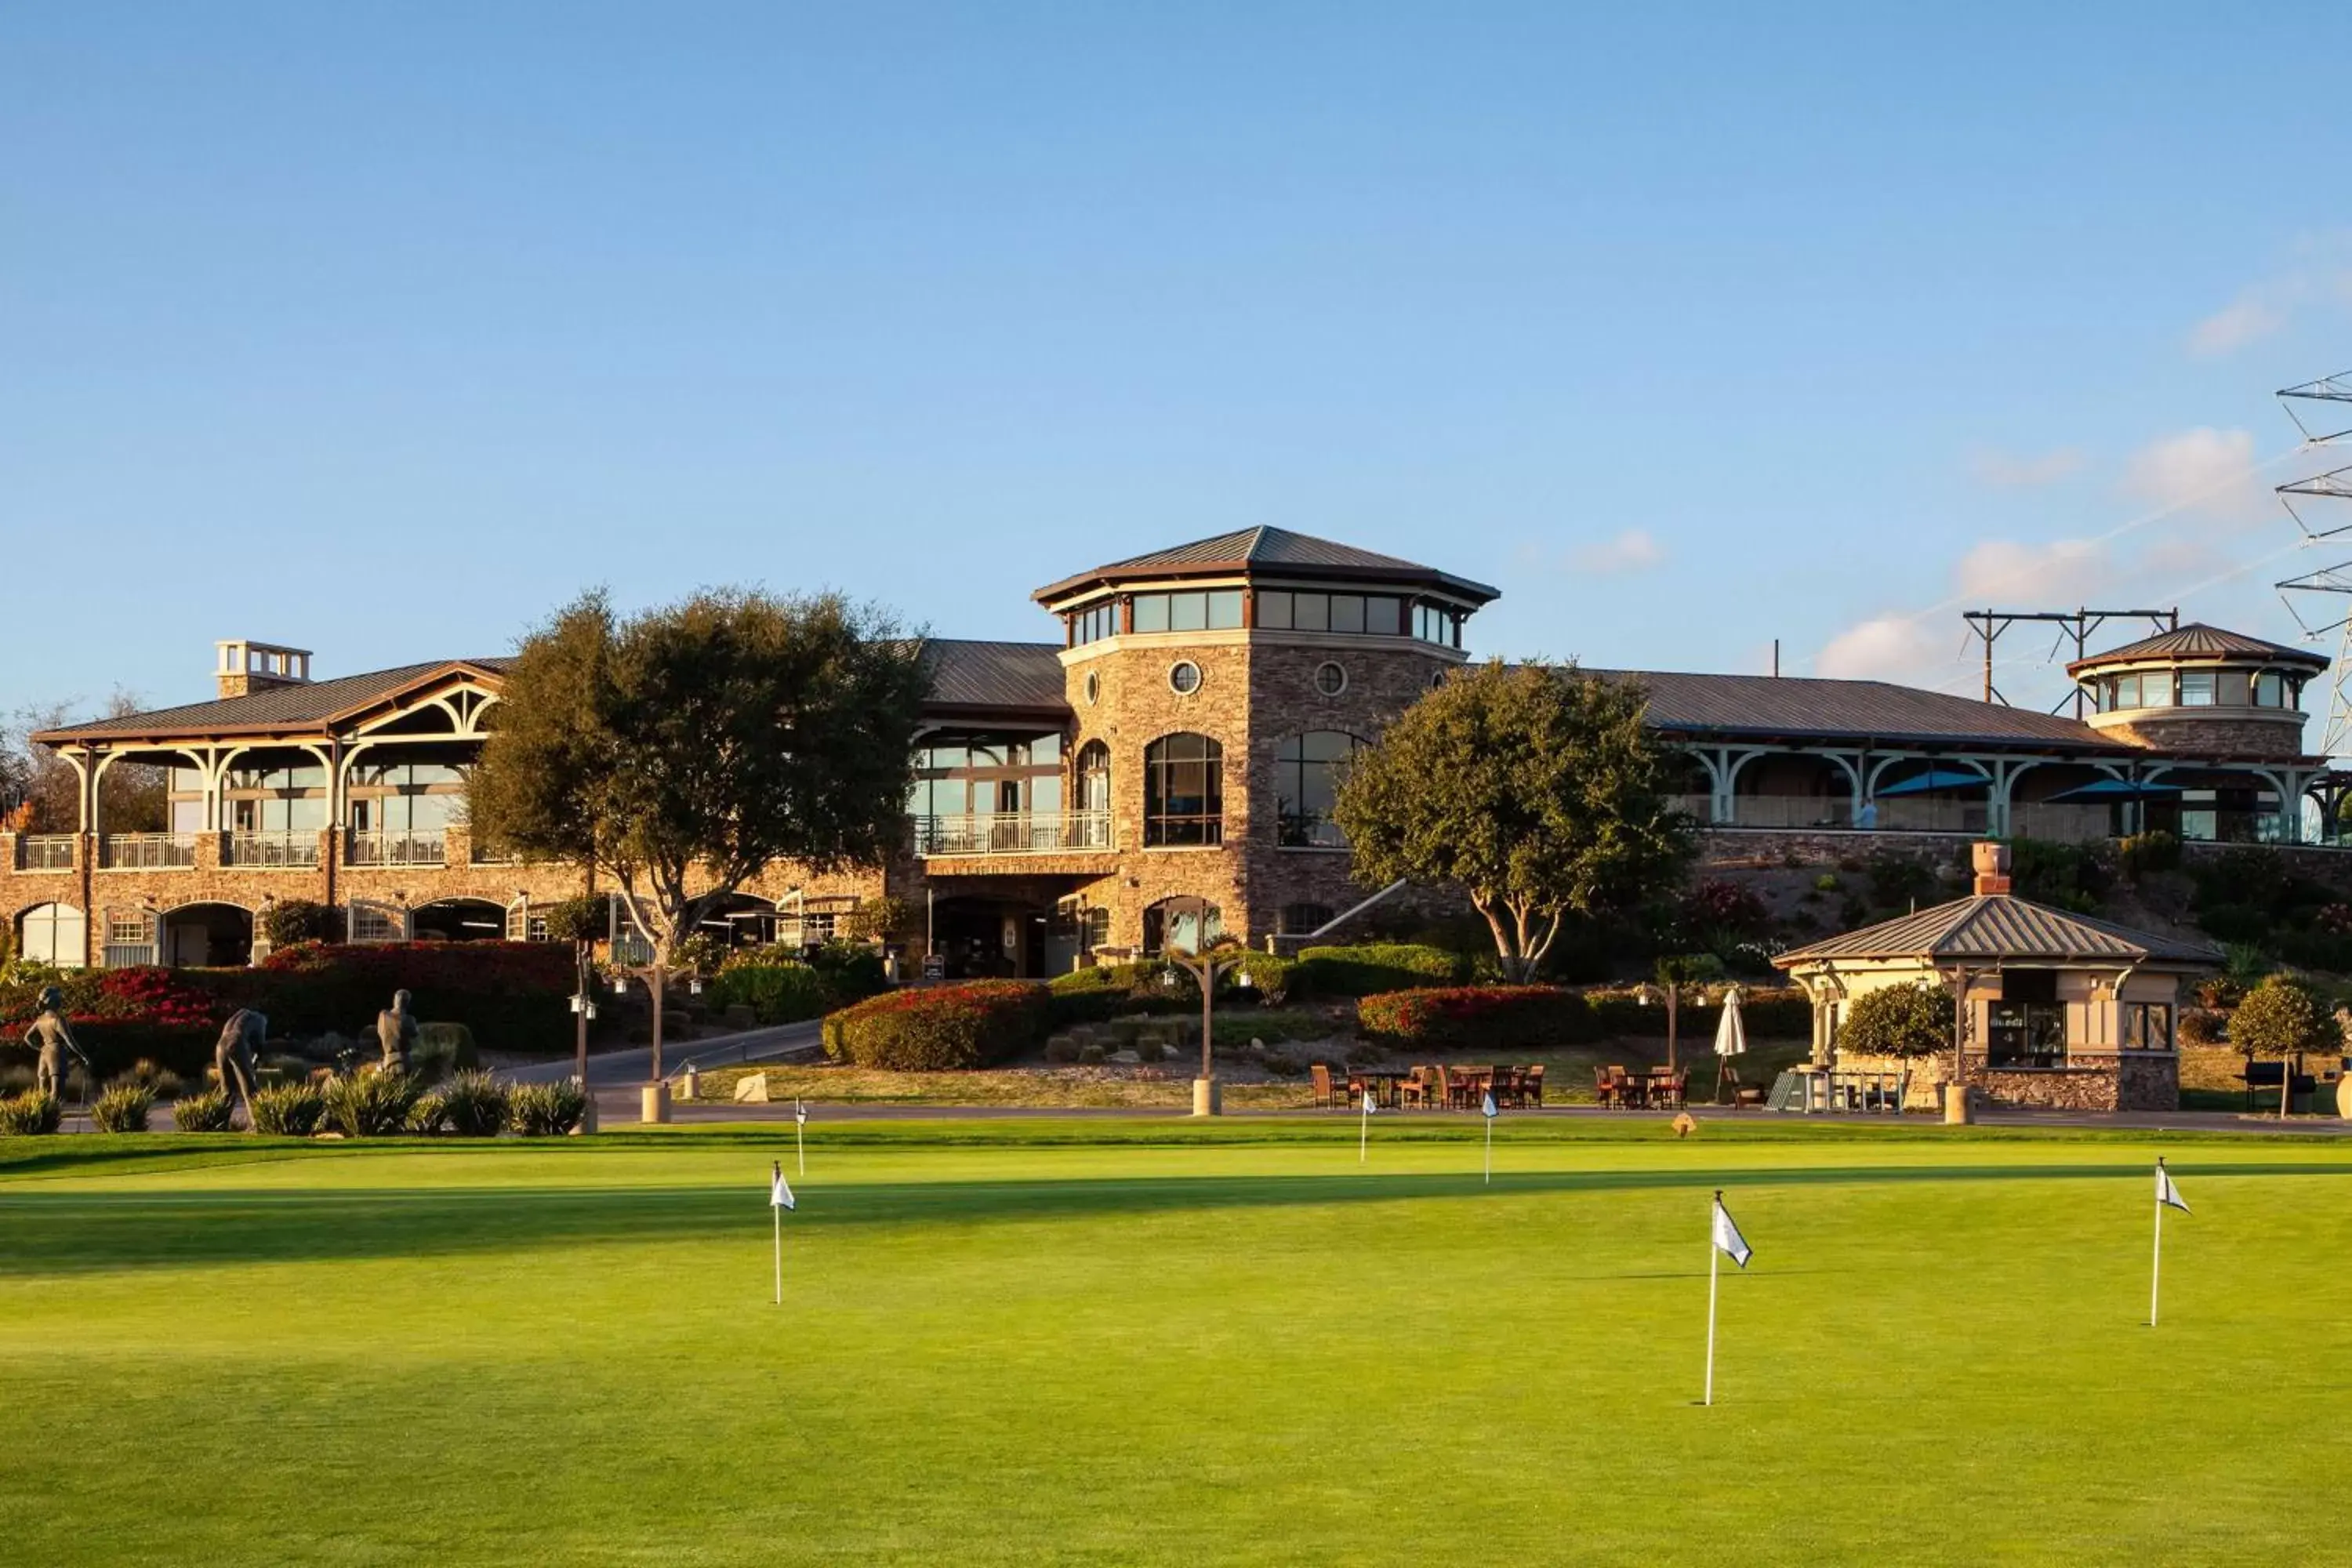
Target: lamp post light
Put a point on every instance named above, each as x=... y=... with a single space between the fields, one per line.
x=1207 y=960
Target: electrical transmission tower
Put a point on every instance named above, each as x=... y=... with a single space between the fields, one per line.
x=2321 y=601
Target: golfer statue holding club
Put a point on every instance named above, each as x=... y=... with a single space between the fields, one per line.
x=246 y=1033
x=396 y=1031
x=50 y=1035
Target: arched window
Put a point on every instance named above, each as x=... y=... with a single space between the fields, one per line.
x=52 y=934
x=1301 y=919
x=1090 y=829
x=1185 y=924
x=1183 y=791
x=1306 y=773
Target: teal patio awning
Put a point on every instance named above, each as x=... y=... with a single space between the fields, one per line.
x=1936 y=778
x=2099 y=791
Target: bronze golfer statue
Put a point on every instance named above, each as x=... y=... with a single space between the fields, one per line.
x=50 y=1034
x=246 y=1033
x=396 y=1031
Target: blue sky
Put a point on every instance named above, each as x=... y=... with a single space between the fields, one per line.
x=383 y=331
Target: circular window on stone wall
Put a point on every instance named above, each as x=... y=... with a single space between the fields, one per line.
x=1437 y=680
x=1184 y=678
x=1331 y=678
x=1093 y=686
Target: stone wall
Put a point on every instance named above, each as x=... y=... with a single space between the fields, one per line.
x=2203 y=731
x=2136 y=1080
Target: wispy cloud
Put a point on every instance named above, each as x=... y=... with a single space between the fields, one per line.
x=2009 y=470
x=2318 y=273
x=1632 y=551
x=1885 y=647
x=2203 y=470
x=2005 y=568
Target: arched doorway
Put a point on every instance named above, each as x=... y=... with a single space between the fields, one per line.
x=982 y=939
x=208 y=936
x=457 y=919
x=54 y=934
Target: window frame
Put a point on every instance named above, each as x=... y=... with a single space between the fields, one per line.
x=1203 y=826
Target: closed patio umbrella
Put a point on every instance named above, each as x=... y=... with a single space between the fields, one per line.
x=1730 y=1039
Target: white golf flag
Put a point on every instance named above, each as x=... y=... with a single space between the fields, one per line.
x=1368 y=1106
x=1486 y=1107
x=800 y=1112
x=2166 y=1192
x=1728 y=1239
x=780 y=1196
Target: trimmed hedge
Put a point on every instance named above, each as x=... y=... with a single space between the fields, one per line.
x=1107 y=991
x=783 y=992
x=938 y=1028
x=1517 y=1017
x=1369 y=970
x=513 y=995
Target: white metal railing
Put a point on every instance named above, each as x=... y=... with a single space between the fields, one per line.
x=45 y=852
x=286 y=850
x=1012 y=833
x=415 y=847
x=147 y=851
x=129 y=954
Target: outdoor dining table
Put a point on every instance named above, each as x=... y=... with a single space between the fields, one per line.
x=1383 y=1083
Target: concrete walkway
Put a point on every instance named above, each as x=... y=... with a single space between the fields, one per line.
x=630 y=1068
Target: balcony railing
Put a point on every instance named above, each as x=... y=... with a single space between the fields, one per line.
x=1793 y=811
x=292 y=851
x=397 y=848
x=45 y=852
x=1013 y=833
x=147 y=851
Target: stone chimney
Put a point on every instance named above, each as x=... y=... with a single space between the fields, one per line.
x=1992 y=868
x=246 y=667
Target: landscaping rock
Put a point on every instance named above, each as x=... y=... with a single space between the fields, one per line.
x=752 y=1089
x=1128 y=1058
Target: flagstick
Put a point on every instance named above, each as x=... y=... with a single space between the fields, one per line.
x=1364 y=1130
x=1713 y=1271
x=777 y=1209
x=2156 y=1264
x=1490 y=1150
x=800 y=1144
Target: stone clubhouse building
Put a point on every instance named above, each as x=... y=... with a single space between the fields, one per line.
x=1180 y=741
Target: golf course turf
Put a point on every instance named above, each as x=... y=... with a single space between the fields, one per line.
x=1131 y=1341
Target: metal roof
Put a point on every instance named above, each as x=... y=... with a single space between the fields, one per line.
x=2198 y=641
x=2000 y=927
x=1269 y=550
x=1767 y=706
x=308 y=708
x=1013 y=675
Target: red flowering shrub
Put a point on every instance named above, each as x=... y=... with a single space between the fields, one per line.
x=938 y=1027
x=1719 y=906
x=1520 y=1017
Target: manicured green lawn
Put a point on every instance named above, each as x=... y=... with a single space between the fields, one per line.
x=1140 y=1342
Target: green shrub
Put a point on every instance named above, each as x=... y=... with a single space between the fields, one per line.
x=474 y=1104
x=977 y=1024
x=1061 y=1050
x=30 y=1114
x=371 y=1104
x=123 y=1107
x=295 y=920
x=288 y=1110
x=1091 y=1053
x=1898 y=1021
x=1106 y=990
x=1516 y=1017
x=2141 y=853
x=1827 y=882
x=851 y=971
x=1369 y=970
x=442 y=1049
x=546 y=1109
x=427 y=1116
x=576 y=921
x=2283 y=1017
x=1270 y=977
x=777 y=991
x=208 y=1112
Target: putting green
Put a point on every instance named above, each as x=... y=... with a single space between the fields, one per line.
x=1141 y=1342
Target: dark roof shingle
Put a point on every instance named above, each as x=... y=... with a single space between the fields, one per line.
x=1270 y=550
x=1774 y=705
x=307 y=706
x=1013 y=675
x=2198 y=640
x=1998 y=927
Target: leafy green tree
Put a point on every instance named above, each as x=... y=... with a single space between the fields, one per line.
x=1535 y=789
x=2284 y=1018
x=685 y=750
x=1898 y=1021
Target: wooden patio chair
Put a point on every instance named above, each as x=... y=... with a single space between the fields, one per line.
x=1414 y=1089
x=1476 y=1082
x=1604 y=1086
x=1531 y=1086
x=1632 y=1093
x=1327 y=1094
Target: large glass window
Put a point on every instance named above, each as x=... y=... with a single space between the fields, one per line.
x=1211 y=609
x=1183 y=791
x=2148 y=1026
x=2197 y=689
x=1096 y=622
x=2027 y=1026
x=1184 y=926
x=1306 y=773
x=2269 y=691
